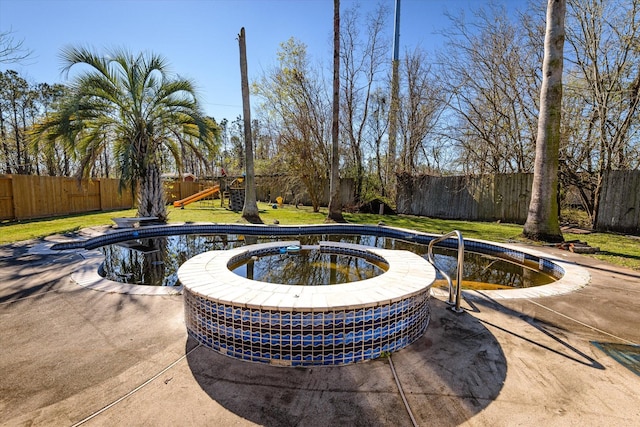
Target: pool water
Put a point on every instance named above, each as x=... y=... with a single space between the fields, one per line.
x=155 y=261
x=307 y=267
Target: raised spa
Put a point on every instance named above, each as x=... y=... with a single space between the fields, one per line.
x=292 y=325
x=310 y=265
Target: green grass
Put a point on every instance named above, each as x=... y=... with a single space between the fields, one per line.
x=33 y=229
x=615 y=249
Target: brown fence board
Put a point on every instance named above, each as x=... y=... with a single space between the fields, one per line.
x=619 y=208
x=178 y=190
x=111 y=198
x=6 y=198
x=512 y=194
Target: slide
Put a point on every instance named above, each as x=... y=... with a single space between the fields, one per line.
x=195 y=197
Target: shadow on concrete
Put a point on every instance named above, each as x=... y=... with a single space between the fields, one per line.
x=457 y=357
x=454 y=371
x=18 y=273
x=550 y=330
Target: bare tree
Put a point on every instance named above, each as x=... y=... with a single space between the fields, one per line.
x=491 y=73
x=361 y=73
x=296 y=109
x=542 y=220
x=603 y=94
x=421 y=104
x=12 y=50
x=376 y=131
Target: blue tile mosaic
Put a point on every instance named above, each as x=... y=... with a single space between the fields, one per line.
x=305 y=338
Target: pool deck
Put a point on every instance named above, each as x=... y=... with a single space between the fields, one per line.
x=70 y=355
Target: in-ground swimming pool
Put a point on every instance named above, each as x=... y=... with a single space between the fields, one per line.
x=155 y=260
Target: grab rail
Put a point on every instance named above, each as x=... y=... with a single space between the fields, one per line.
x=459 y=269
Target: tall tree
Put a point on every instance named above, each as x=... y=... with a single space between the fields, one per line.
x=15 y=98
x=542 y=220
x=603 y=95
x=140 y=107
x=420 y=107
x=393 y=108
x=335 y=204
x=491 y=70
x=250 y=208
x=296 y=109
x=361 y=71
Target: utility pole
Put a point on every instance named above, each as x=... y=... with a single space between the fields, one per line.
x=393 y=110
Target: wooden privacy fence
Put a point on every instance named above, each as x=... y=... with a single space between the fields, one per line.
x=506 y=197
x=619 y=208
x=28 y=196
x=177 y=190
x=502 y=197
x=268 y=188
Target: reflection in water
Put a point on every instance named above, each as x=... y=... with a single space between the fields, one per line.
x=309 y=267
x=155 y=261
x=137 y=261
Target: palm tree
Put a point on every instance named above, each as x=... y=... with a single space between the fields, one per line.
x=132 y=103
x=542 y=220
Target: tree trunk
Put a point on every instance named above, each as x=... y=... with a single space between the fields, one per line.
x=542 y=220
x=250 y=209
x=335 y=204
x=151 y=197
x=5 y=146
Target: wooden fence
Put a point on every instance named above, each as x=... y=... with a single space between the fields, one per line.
x=502 y=197
x=268 y=188
x=506 y=197
x=27 y=196
x=619 y=208
x=176 y=190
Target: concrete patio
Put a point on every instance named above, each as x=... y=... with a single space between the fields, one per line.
x=76 y=356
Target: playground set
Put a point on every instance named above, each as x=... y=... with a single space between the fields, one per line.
x=232 y=195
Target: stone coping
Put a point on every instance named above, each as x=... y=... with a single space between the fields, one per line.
x=208 y=275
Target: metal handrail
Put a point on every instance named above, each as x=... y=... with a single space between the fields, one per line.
x=459 y=271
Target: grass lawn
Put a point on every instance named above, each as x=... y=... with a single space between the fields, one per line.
x=616 y=249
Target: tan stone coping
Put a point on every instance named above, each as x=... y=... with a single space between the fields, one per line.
x=208 y=275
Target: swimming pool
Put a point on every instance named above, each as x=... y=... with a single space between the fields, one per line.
x=155 y=261
x=569 y=276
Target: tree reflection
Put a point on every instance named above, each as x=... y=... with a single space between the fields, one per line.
x=309 y=267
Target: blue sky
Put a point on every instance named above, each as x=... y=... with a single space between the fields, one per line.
x=198 y=37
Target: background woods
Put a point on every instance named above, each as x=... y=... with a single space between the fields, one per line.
x=468 y=109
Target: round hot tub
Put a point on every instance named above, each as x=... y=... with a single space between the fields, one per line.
x=294 y=325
